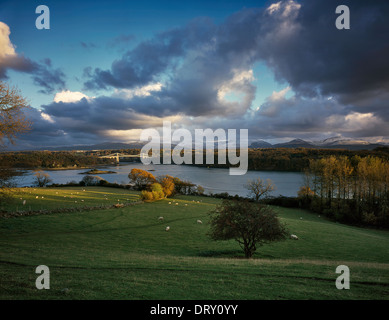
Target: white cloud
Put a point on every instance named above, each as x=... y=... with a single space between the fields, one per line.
x=47 y=117
x=286 y=8
x=69 y=96
x=144 y=91
x=7 y=49
x=238 y=89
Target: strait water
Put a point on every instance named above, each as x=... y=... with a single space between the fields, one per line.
x=213 y=180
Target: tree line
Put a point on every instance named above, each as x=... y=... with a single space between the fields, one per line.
x=49 y=159
x=352 y=190
x=270 y=159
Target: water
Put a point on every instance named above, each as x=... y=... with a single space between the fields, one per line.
x=213 y=180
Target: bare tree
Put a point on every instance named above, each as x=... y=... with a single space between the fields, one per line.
x=259 y=188
x=42 y=179
x=12 y=119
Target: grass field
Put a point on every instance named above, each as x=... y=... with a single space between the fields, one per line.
x=126 y=253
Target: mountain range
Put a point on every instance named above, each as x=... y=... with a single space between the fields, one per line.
x=330 y=143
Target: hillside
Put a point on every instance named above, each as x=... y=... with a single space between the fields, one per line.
x=126 y=253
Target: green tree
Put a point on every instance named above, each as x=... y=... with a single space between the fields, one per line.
x=250 y=224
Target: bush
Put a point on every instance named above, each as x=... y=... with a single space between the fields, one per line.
x=92 y=180
x=146 y=195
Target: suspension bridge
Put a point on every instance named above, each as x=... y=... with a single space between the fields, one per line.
x=120 y=156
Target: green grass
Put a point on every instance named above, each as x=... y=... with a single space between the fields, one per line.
x=127 y=254
x=34 y=199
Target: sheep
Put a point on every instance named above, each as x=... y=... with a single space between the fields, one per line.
x=167 y=228
x=199 y=222
x=176 y=203
x=186 y=204
x=170 y=203
x=24 y=202
x=160 y=218
x=294 y=237
x=36 y=197
x=301 y=218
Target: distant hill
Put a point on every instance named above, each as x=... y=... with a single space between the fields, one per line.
x=261 y=144
x=296 y=143
x=330 y=143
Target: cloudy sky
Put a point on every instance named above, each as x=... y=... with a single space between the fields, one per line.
x=281 y=69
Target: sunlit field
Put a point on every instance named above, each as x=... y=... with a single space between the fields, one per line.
x=126 y=253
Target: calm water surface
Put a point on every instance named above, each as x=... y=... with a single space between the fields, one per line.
x=212 y=180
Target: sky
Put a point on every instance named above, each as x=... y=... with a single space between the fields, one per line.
x=106 y=70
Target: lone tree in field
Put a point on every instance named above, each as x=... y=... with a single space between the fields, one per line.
x=259 y=188
x=12 y=119
x=250 y=224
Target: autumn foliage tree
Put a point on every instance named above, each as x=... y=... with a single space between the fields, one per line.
x=141 y=178
x=250 y=224
x=167 y=183
x=352 y=190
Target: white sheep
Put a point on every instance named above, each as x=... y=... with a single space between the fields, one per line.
x=294 y=237
x=199 y=221
x=160 y=218
x=186 y=204
x=167 y=228
x=170 y=203
x=176 y=203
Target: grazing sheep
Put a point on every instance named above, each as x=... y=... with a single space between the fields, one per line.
x=24 y=202
x=160 y=218
x=176 y=203
x=301 y=218
x=186 y=204
x=167 y=228
x=36 y=197
x=199 y=221
x=170 y=203
x=294 y=237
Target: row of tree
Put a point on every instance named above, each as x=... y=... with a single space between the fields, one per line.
x=155 y=188
x=352 y=190
x=283 y=159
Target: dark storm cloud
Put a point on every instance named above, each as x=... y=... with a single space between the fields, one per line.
x=339 y=77
x=318 y=58
x=298 y=40
x=43 y=75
